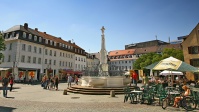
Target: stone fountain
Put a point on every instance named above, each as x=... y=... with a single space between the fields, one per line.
x=101 y=76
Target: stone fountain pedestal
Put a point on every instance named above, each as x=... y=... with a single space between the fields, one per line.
x=111 y=81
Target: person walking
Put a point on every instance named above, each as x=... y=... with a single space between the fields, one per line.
x=76 y=80
x=56 y=82
x=69 y=80
x=135 y=78
x=11 y=83
x=5 y=82
x=145 y=80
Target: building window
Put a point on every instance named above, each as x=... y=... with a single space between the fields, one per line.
x=9 y=58
x=68 y=55
x=54 y=62
x=50 y=52
x=46 y=61
x=59 y=63
x=29 y=59
x=34 y=59
x=71 y=56
x=13 y=34
x=10 y=47
x=39 y=60
x=54 y=53
x=35 y=49
x=76 y=58
x=35 y=38
x=40 y=51
x=50 y=62
x=23 y=58
x=46 y=41
x=60 y=53
x=193 y=50
x=30 y=36
x=40 y=39
x=63 y=63
x=46 y=51
x=194 y=62
x=66 y=63
x=29 y=48
x=24 y=35
x=63 y=54
x=24 y=47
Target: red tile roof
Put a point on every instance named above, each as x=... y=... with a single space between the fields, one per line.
x=121 y=52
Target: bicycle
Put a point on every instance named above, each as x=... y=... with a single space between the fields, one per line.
x=186 y=102
x=167 y=101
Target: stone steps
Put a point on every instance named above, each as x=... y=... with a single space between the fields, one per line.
x=96 y=91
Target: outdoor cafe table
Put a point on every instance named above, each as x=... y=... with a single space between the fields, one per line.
x=195 y=89
x=137 y=93
x=174 y=93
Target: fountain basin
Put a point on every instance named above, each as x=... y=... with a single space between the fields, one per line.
x=111 y=81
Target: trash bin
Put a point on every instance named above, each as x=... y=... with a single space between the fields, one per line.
x=65 y=92
x=112 y=93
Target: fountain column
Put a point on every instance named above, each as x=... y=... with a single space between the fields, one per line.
x=103 y=56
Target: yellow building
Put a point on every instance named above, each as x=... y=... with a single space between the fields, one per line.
x=191 y=51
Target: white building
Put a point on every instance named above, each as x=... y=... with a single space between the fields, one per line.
x=121 y=60
x=33 y=53
x=92 y=61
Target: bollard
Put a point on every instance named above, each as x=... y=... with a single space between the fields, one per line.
x=112 y=93
x=65 y=92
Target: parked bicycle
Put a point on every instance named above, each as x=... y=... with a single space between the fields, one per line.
x=186 y=102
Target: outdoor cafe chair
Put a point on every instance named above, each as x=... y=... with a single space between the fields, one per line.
x=147 y=96
x=128 y=95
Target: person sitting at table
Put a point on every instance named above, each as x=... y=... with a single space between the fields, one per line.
x=186 y=93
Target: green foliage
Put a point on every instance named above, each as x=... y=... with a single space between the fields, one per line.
x=2 y=45
x=151 y=58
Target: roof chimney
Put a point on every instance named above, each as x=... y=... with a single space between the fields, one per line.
x=36 y=29
x=26 y=26
x=69 y=41
x=44 y=32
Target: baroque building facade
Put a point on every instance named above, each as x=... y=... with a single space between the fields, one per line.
x=31 y=53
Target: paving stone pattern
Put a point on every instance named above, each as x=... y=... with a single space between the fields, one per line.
x=33 y=98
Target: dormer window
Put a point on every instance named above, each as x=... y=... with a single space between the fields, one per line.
x=35 y=38
x=13 y=34
x=7 y=36
x=68 y=47
x=46 y=41
x=40 y=39
x=51 y=42
x=63 y=45
x=24 y=34
x=30 y=36
x=60 y=44
x=71 y=47
x=55 y=43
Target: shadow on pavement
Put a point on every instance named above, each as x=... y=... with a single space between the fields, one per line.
x=6 y=109
x=10 y=97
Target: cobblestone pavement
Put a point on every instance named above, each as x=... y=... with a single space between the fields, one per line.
x=32 y=98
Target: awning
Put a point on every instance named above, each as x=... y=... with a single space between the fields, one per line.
x=4 y=68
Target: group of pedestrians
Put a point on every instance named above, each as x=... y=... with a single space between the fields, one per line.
x=5 y=82
x=50 y=83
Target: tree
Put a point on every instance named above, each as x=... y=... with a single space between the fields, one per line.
x=167 y=52
x=146 y=59
x=150 y=58
x=2 y=45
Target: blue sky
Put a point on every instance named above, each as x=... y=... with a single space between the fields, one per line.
x=125 y=21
